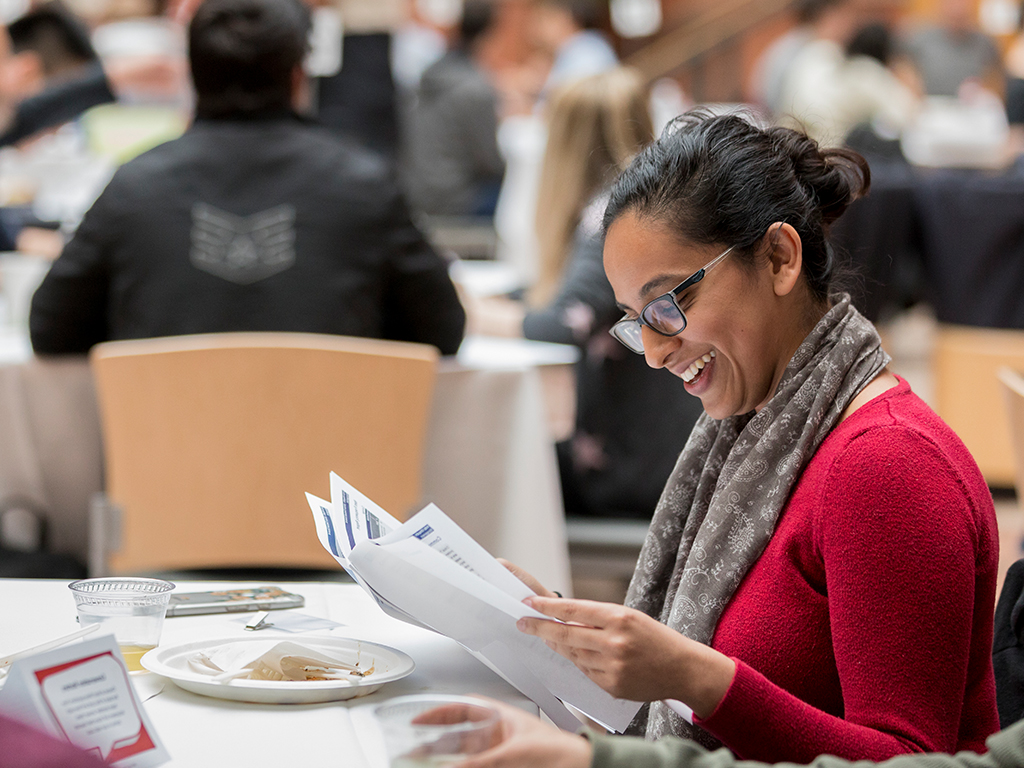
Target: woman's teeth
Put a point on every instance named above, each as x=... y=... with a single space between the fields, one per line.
x=697 y=366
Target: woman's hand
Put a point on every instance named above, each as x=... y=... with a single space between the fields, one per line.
x=631 y=655
x=527 y=579
x=525 y=740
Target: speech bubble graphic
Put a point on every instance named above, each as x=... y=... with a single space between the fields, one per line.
x=93 y=705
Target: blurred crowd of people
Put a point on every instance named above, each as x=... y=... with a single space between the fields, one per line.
x=313 y=210
x=847 y=78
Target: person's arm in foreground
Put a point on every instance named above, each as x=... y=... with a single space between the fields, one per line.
x=529 y=743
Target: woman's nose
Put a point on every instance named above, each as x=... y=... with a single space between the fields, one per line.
x=657 y=348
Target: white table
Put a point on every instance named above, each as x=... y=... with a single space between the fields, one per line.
x=199 y=731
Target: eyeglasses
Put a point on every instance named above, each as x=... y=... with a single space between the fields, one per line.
x=662 y=315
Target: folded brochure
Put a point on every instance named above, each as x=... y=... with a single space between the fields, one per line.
x=429 y=572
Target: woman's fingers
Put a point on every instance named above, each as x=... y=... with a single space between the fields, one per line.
x=586 y=612
x=558 y=634
x=527 y=579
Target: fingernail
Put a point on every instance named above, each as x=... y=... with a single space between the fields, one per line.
x=521 y=625
x=528 y=601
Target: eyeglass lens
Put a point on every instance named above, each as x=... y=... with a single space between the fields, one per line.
x=663 y=315
x=629 y=333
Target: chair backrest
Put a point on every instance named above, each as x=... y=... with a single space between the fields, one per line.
x=211 y=440
x=965 y=366
x=1013 y=391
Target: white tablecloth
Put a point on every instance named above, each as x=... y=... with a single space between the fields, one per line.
x=199 y=731
x=490 y=461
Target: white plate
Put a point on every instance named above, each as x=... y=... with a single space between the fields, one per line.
x=390 y=664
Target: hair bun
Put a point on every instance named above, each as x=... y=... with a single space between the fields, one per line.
x=834 y=177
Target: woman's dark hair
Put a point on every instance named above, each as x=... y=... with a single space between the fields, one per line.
x=721 y=180
x=243 y=53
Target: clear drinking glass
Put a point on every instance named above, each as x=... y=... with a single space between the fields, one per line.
x=435 y=731
x=132 y=609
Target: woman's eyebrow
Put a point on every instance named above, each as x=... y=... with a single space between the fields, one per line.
x=656 y=282
x=653 y=285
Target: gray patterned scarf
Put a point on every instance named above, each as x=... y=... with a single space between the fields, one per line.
x=719 y=508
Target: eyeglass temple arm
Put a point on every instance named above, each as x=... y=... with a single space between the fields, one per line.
x=699 y=274
x=692 y=280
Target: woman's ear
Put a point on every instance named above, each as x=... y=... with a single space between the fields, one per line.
x=785 y=256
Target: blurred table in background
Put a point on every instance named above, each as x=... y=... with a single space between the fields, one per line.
x=490 y=460
x=952 y=237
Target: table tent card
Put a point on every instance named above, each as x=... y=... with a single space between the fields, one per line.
x=431 y=573
x=83 y=693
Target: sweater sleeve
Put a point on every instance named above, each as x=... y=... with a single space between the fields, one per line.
x=1005 y=750
x=896 y=535
x=585 y=300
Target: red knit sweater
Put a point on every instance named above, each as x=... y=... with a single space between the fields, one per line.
x=865 y=628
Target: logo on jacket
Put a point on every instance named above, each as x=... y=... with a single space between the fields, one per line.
x=243 y=249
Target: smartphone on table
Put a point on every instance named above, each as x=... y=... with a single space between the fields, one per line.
x=232 y=601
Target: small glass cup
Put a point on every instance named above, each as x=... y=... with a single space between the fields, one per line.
x=131 y=608
x=435 y=731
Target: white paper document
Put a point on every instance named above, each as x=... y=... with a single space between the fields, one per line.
x=431 y=573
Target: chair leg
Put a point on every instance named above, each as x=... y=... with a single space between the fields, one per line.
x=104 y=533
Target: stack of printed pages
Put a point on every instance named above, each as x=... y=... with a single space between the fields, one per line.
x=431 y=573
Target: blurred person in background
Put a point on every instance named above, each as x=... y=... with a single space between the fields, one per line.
x=1014 y=64
x=567 y=31
x=885 y=93
x=49 y=76
x=622 y=449
x=358 y=98
x=455 y=167
x=47 y=48
x=953 y=51
x=567 y=45
x=773 y=65
x=253 y=220
x=842 y=89
x=816 y=67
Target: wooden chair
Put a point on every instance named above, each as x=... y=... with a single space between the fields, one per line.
x=965 y=365
x=1013 y=391
x=211 y=440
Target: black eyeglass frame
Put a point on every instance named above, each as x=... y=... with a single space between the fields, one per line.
x=632 y=327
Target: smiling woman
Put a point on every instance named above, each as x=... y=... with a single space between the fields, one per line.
x=819 y=576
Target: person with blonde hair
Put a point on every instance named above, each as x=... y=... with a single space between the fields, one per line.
x=621 y=451
x=595 y=127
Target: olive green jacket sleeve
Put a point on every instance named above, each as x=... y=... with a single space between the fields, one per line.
x=1005 y=750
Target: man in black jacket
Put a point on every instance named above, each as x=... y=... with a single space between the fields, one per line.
x=254 y=220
